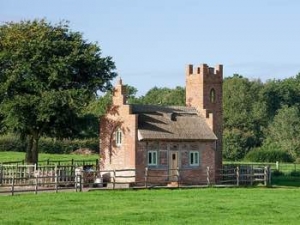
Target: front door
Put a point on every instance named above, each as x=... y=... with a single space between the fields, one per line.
x=174 y=164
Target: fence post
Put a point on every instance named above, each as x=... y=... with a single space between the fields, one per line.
x=270 y=174
x=114 y=179
x=178 y=177
x=265 y=175
x=13 y=186
x=76 y=184
x=208 y=176
x=56 y=178
x=251 y=175
x=80 y=183
x=237 y=176
x=1 y=173
x=146 y=177
x=36 y=183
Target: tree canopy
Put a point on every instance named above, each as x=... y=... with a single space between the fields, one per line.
x=48 y=75
x=161 y=96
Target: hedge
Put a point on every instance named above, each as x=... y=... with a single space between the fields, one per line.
x=267 y=155
x=48 y=145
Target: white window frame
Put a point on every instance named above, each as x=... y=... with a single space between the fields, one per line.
x=152 y=158
x=119 y=137
x=194 y=158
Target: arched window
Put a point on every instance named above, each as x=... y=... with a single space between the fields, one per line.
x=212 y=95
x=118 y=137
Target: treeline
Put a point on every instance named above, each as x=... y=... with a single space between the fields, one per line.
x=261 y=119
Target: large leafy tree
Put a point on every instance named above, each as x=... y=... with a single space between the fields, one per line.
x=244 y=116
x=48 y=74
x=277 y=93
x=285 y=130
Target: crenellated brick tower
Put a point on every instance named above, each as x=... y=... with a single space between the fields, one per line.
x=204 y=92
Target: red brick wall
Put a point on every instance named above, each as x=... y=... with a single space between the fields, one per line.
x=118 y=116
x=189 y=175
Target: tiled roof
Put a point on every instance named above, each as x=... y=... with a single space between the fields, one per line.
x=171 y=123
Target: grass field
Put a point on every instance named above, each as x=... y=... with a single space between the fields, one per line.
x=188 y=206
x=18 y=156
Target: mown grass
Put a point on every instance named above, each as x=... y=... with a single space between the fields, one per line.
x=18 y=156
x=188 y=206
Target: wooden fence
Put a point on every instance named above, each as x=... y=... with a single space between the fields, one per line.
x=24 y=173
x=245 y=174
x=72 y=162
x=46 y=178
x=285 y=168
x=230 y=175
x=44 y=183
x=55 y=178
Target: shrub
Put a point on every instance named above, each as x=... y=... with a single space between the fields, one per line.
x=267 y=155
x=295 y=173
x=277 y=173
x=11 y=142
x=236 y=144
x=49 y=145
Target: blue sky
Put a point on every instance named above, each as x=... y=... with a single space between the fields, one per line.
x=151 y=42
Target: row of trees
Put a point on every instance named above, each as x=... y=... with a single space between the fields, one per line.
x=257 y=116
x=261 y=116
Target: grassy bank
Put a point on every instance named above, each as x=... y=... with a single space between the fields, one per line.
x=189 y=206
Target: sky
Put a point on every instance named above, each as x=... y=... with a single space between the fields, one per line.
x=152 y=42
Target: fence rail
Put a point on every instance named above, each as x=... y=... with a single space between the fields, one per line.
x=43 y=183
x=285 y=168
x=58 y=177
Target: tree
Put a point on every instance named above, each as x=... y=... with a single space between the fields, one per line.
x=48 y=74
x=277 y=93
x=163 y=96
x=236 y=143
x=285 y=130
x=244 y=116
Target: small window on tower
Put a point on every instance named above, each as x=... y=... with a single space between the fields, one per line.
x=212 y=95
x=118 y=137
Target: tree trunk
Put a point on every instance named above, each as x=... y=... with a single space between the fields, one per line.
x=32 y=149
x=28 y=156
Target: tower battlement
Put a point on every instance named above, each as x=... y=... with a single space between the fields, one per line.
x=206 y=72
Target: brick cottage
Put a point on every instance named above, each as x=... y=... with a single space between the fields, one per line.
x=165 y=139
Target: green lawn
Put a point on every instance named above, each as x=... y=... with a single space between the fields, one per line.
x=18 y=156
x=188 y=206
